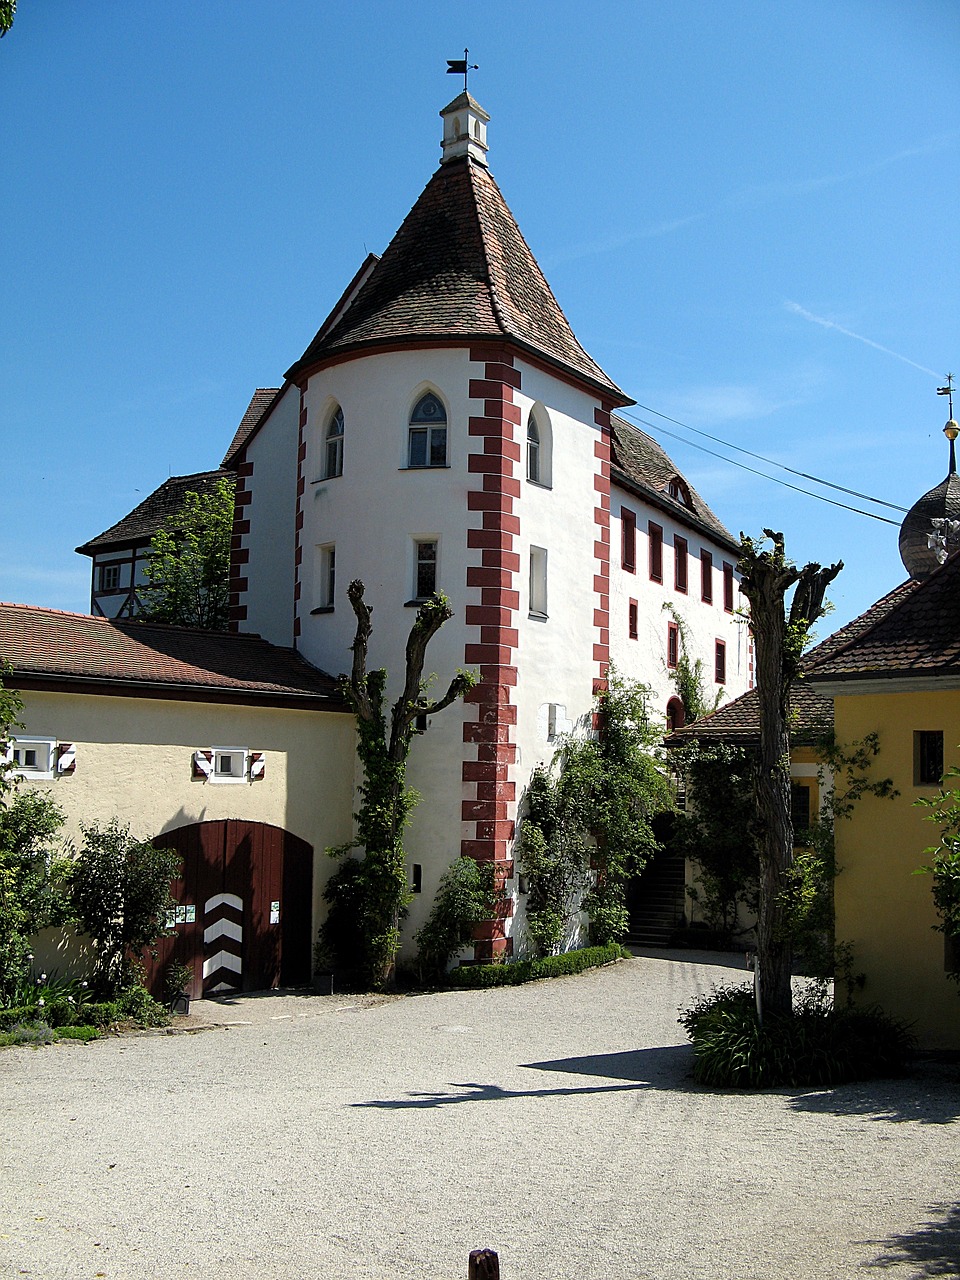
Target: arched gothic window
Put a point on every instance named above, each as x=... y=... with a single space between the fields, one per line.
x=427 y=439
x=333 y=447
x=533 y=450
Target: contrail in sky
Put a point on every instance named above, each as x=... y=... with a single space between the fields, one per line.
x=831 y=324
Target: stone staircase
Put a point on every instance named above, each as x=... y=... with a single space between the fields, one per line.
x=657 y=902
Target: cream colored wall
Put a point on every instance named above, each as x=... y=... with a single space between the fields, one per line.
x=883 y=910
x=134 y=763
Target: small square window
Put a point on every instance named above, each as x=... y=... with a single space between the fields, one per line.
x=229 y=764
x=927 y=757
x=109 y=577
x=32 y=757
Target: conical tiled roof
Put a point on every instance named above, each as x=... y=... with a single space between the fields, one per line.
x=458 y=268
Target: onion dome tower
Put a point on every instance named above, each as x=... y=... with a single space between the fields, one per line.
x=922 y=541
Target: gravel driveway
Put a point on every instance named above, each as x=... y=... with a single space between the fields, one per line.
x=555 y=1122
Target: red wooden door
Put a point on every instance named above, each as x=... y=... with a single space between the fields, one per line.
x=243 y=915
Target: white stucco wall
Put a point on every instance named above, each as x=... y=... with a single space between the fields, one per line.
x=645 y=658
x=272 y=515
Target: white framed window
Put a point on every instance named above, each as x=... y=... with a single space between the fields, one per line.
x=326 y=576
x=333 y=447
x=538 y=582
x=427 y=434
x=109 y=577
x=426 y=562
x=539 y=447
x=32 y=757
x=221 y=764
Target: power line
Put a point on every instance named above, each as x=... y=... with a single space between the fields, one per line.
x=770 y=462
x=773 y=479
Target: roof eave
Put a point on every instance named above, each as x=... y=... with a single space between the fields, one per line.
x=676 y=512
x=112 y=686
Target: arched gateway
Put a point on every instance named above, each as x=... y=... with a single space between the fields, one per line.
x=243 y=915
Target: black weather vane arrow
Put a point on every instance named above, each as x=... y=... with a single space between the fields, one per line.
x=460 y=67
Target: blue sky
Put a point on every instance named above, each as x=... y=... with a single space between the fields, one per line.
x=748 y=212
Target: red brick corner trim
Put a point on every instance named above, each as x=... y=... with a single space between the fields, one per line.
x=239 y=550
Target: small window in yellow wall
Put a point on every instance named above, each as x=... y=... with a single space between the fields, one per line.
x=799 y=807
x=927 y=757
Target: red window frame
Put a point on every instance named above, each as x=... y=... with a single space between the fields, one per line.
x=706 y=577
x=655 y=536
x=628 y=540
x=673 y=645
x=728 y=587
x=720 y=662
x=680 y=568
x=633 y=620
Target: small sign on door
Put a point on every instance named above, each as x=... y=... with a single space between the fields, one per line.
x=274 y=912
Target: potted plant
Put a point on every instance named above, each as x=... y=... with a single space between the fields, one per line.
x=178 y=981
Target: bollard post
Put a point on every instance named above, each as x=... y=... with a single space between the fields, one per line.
x=483 y=1264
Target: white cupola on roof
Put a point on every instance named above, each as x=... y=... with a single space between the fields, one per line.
x=464 y=130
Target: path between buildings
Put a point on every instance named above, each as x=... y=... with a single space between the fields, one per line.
x=340 y=1136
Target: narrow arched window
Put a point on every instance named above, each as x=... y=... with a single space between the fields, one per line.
x=333 y=447
x=427 y=439
x=533 y=450
x=676 y=715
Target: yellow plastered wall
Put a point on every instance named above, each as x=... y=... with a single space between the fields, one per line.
x=134 y=762
x=883 y=910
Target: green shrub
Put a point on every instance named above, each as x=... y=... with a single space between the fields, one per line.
x=85 y=1034
x=508 y=975
x=35 y=1033
x=816 y=1045
x=464 y=897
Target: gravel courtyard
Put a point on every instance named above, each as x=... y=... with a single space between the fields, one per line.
x=555 y=1122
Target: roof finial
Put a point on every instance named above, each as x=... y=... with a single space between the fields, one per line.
x=951 y=430
x=460 y=67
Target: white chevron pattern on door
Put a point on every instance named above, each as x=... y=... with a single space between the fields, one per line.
x=223 y=942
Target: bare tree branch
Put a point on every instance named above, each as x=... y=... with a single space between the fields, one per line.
x=358 y=675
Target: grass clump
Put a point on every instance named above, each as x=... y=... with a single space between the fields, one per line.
x=816 y=1045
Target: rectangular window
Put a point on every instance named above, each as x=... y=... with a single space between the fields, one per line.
x=673 y=645
x=109 y=577
x=655 y=535
x=799 y=806
x=633 y=620
x=706 y=577
x=538 y=582
x=32 y=757
x=416 y=877
x=728 y=587
x=326 y=578
x=628 y=538
x=427 y=447
x=680 y=563
x=720 y=662
x=927 y=757
x=229 y=764
x=425 y=569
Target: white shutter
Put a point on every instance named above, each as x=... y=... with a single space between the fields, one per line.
x=202 y=764
x=66 y=757
x=258 y=765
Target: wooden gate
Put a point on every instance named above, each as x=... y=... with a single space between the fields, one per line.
x=243 y=915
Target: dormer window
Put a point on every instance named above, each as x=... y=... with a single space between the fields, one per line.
x=679 y=492
x=427 y=439
x=333 y=447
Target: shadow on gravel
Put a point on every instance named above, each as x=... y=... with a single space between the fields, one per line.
x=933 y=1248
x=929 y=1096
x=666 y=1068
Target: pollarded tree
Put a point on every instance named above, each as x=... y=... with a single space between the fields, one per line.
x=779 y=637
x=188 y=571
x=377 y=886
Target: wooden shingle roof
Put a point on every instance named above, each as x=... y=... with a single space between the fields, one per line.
x=52 y=649
x=640 y=464
x=153 y=513
x=458 y=268
x=920 y=636
x=739 y=721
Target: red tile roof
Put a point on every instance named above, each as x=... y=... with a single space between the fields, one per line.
x=46 y=646
x=458 y=268
x=920 y=636
x=154 y=512
x=739 y=721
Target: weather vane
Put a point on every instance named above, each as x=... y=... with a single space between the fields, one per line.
x=460 y=67
x=947 y=391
